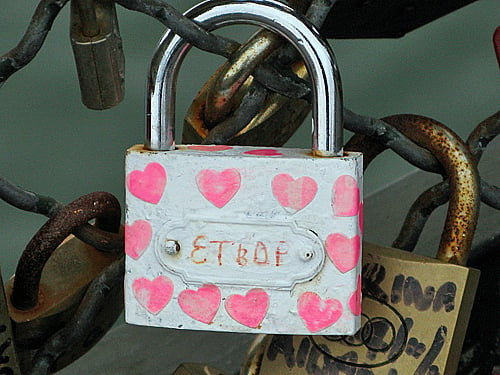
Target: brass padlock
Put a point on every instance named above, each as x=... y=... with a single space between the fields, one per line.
x=98 y=52
x=414 y=309
x=8 y=357
x=55 y=270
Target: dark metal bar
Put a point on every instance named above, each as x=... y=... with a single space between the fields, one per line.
x=33 y=39
x=251 y=105
x=102 y=206
x=26 y=200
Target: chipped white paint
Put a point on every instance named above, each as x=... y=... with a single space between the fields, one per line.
x=243 y=239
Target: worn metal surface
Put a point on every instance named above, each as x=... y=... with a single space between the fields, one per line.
x=460 y=169
x=104 y=207
x=99 y=308
x=97 y=47
x=280 y=116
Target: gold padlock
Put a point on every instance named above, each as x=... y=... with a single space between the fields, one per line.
x=414 y=309
x=272 y=126
x=51 y=280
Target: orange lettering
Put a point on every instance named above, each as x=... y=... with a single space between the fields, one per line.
x=219 y=254
x=260 y=245
x=198 y=248
x=241 y=259
x=279 y=253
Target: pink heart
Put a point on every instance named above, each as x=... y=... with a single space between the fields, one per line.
x=355 y=299
x=264 y=152
x=209 y=148
x=295 y=194
x=250 y=309
x=137 y=238
x=345 y=196
x=153 y=295
x=218 y=187
x=201 y=305
x=148 y=185
x=344 y=252
x=316 y=313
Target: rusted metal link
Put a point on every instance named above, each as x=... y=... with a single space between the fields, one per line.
x=83 y=322
x=438 y=194
x=460 y=168
x=48 y=206
x=382 y=132
x=33 y=39
x=102 y=206
x=253 y=101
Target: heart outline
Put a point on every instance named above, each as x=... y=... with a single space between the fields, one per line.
x=202 y=304
x=137 y=238
x=344 y=252
x=218 y=187
x=294 y=193
x=148 y=185
x=316 y=313
x=154 y=294
x=250 y=309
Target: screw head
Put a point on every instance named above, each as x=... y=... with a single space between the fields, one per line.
x=172 y=247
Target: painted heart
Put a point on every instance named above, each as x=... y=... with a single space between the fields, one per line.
x=345 y=199
x=264 y=152
x=209 y=148
x=344 y=252
x=218 y=187
x=153 y=295
x=355 y=299
x=317 y=313
x=250 y=309
x=295 y=194
x=201 y=304
x=149 y=184
x=137 y=238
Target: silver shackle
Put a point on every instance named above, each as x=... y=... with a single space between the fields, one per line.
x=269 y=14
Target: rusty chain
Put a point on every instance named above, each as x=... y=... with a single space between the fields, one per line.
x=380 y=134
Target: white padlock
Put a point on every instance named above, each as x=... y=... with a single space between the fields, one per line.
x=244 y=239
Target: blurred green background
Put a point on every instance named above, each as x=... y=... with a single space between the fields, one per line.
x=50 y=143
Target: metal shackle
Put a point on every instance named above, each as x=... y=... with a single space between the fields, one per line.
x=272 y=15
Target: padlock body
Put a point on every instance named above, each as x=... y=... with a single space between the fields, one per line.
x=243 y=239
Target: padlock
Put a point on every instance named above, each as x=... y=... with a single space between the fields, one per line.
x=244 y=239
x=51 y=280
x=98 y=52
x=8 y=357
x=273 y=126
x=415 y=309
x=197 y=369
